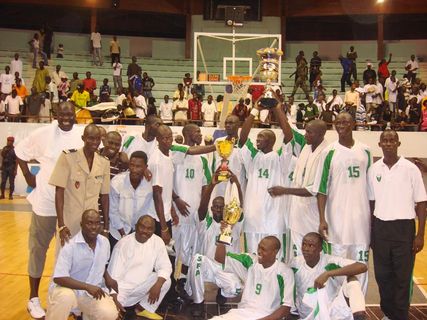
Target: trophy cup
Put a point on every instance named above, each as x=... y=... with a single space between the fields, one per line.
x=224 y=148
x=270 y=59
x=231 y=216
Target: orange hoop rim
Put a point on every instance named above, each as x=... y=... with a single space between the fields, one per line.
x=239 y=79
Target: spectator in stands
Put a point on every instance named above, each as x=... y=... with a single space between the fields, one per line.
x=80 y=97
x=133 y=70
x=411 y=67
x=335 y=101
x=141 y=106
x=6 y=82
x=16 y=65
x=20 y=89
x=301 y=77
x=57 y=75
x=89 y=84
x=300 y=57
x=147 y=85
x=151 y=107
x=352 y=97
x=383 y=72
x=414 y=114
x=423 y=124
x=371 y=94
x=33 y=104
x=291 y=110
x=121 y=96
x=137 y=84
x=369 y=73
x=320 y=102
x=95 y=39
x=63 y=89
x=195 y=109
x=17 y=76
x=9 y=166
x=315 y=64
x=178 y=91
x=199 y=89
x=209 y=112
x=52 y=89
x=114 y=50
x=60 y=51
x=39 y=81
x=104 y=91
x=220 y=106
x=311 y=111
x=165 y=109
x=13 y=104
x=180 y=108
x=392 y=84
x=241 y=110
x=328 y=116
x=352 y=55
x=47 y=39
x=35 y=48
x=187 y=81
x=346 y=64
x=117 y=74
x=74 y=83
x=46 y=108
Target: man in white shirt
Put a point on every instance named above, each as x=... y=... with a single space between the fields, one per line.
x=7 y=80
x=95 y=39
x=209 y=112
x=303 y=211
x=13 y=104
x=291 y=110
x=371 y=94
x=147 y=141
x=397 y=195
x=264 y=168
x=392 y=84
x=269 y=283
x=342 y=197
x=57 y=75
x=131 y=197
x=165 y=109
x=117 y=75
x=412 y=66
x=326 y=286
x=140 y=270
x=16 y=65
x=203 y=266
x=141 y=106
x=335 y=100
x=180 y=108
x=44 y=145
x=78 y=278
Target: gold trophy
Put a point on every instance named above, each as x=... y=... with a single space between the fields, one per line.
x=270 y=59
x=225 y=149
x=231 y=216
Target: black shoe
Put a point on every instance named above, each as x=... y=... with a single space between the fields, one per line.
x=180 y=290
x=220 y=299
x=198 y=310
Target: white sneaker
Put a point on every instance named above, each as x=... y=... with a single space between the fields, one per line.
x=35 y=309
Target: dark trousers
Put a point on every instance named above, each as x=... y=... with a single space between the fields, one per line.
x=345 y=78
x=393 y=262
x=354 y=70
x=7 y=174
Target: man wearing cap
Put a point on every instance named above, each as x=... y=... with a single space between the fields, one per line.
x=9 y=166
x=369 y=73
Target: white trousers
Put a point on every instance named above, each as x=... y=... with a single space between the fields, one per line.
x=241 y=314
x=131 y=296
x=62 y=300
x=185 y=236
x=203 y=269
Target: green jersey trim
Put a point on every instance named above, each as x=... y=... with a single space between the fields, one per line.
x=369 y=159
x=251 y=148
x=281 y=287
x=244 y=259
x=128 y=142
x=206 y=170
x=332 y=266
x=323 y=188
x=182 y=149
x=209 y=220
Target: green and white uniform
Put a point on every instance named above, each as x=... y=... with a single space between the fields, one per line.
x=189 y=178
x=138 y=143
x=342 y=176
x=266 y=289
x=264 y=214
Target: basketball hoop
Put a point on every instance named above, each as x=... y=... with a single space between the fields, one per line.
x=240 y=84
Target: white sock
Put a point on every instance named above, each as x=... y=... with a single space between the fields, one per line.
x=353 y=291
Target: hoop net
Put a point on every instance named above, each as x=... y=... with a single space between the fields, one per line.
x=240 y=84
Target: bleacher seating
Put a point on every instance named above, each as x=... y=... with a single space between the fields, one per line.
x=167 y=73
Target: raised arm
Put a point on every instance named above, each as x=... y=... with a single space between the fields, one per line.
x=195 y=150
x=247 y=125
x=284 y=124
x=206 y=197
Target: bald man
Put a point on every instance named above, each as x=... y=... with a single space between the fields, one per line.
x=80 y=177
x=140 y=270
x=303 y=211
x=342 y=195
x=265 y=168
x=78 y=278
x=269 y=283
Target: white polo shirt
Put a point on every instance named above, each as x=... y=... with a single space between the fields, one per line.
x=395 y=190
x=13 y=104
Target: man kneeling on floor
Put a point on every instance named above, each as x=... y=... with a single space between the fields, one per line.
x=269 y=283
x=79 y=273
x=140 y=269
x=326 y=286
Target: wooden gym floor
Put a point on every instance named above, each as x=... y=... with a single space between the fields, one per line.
x=14 y=222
